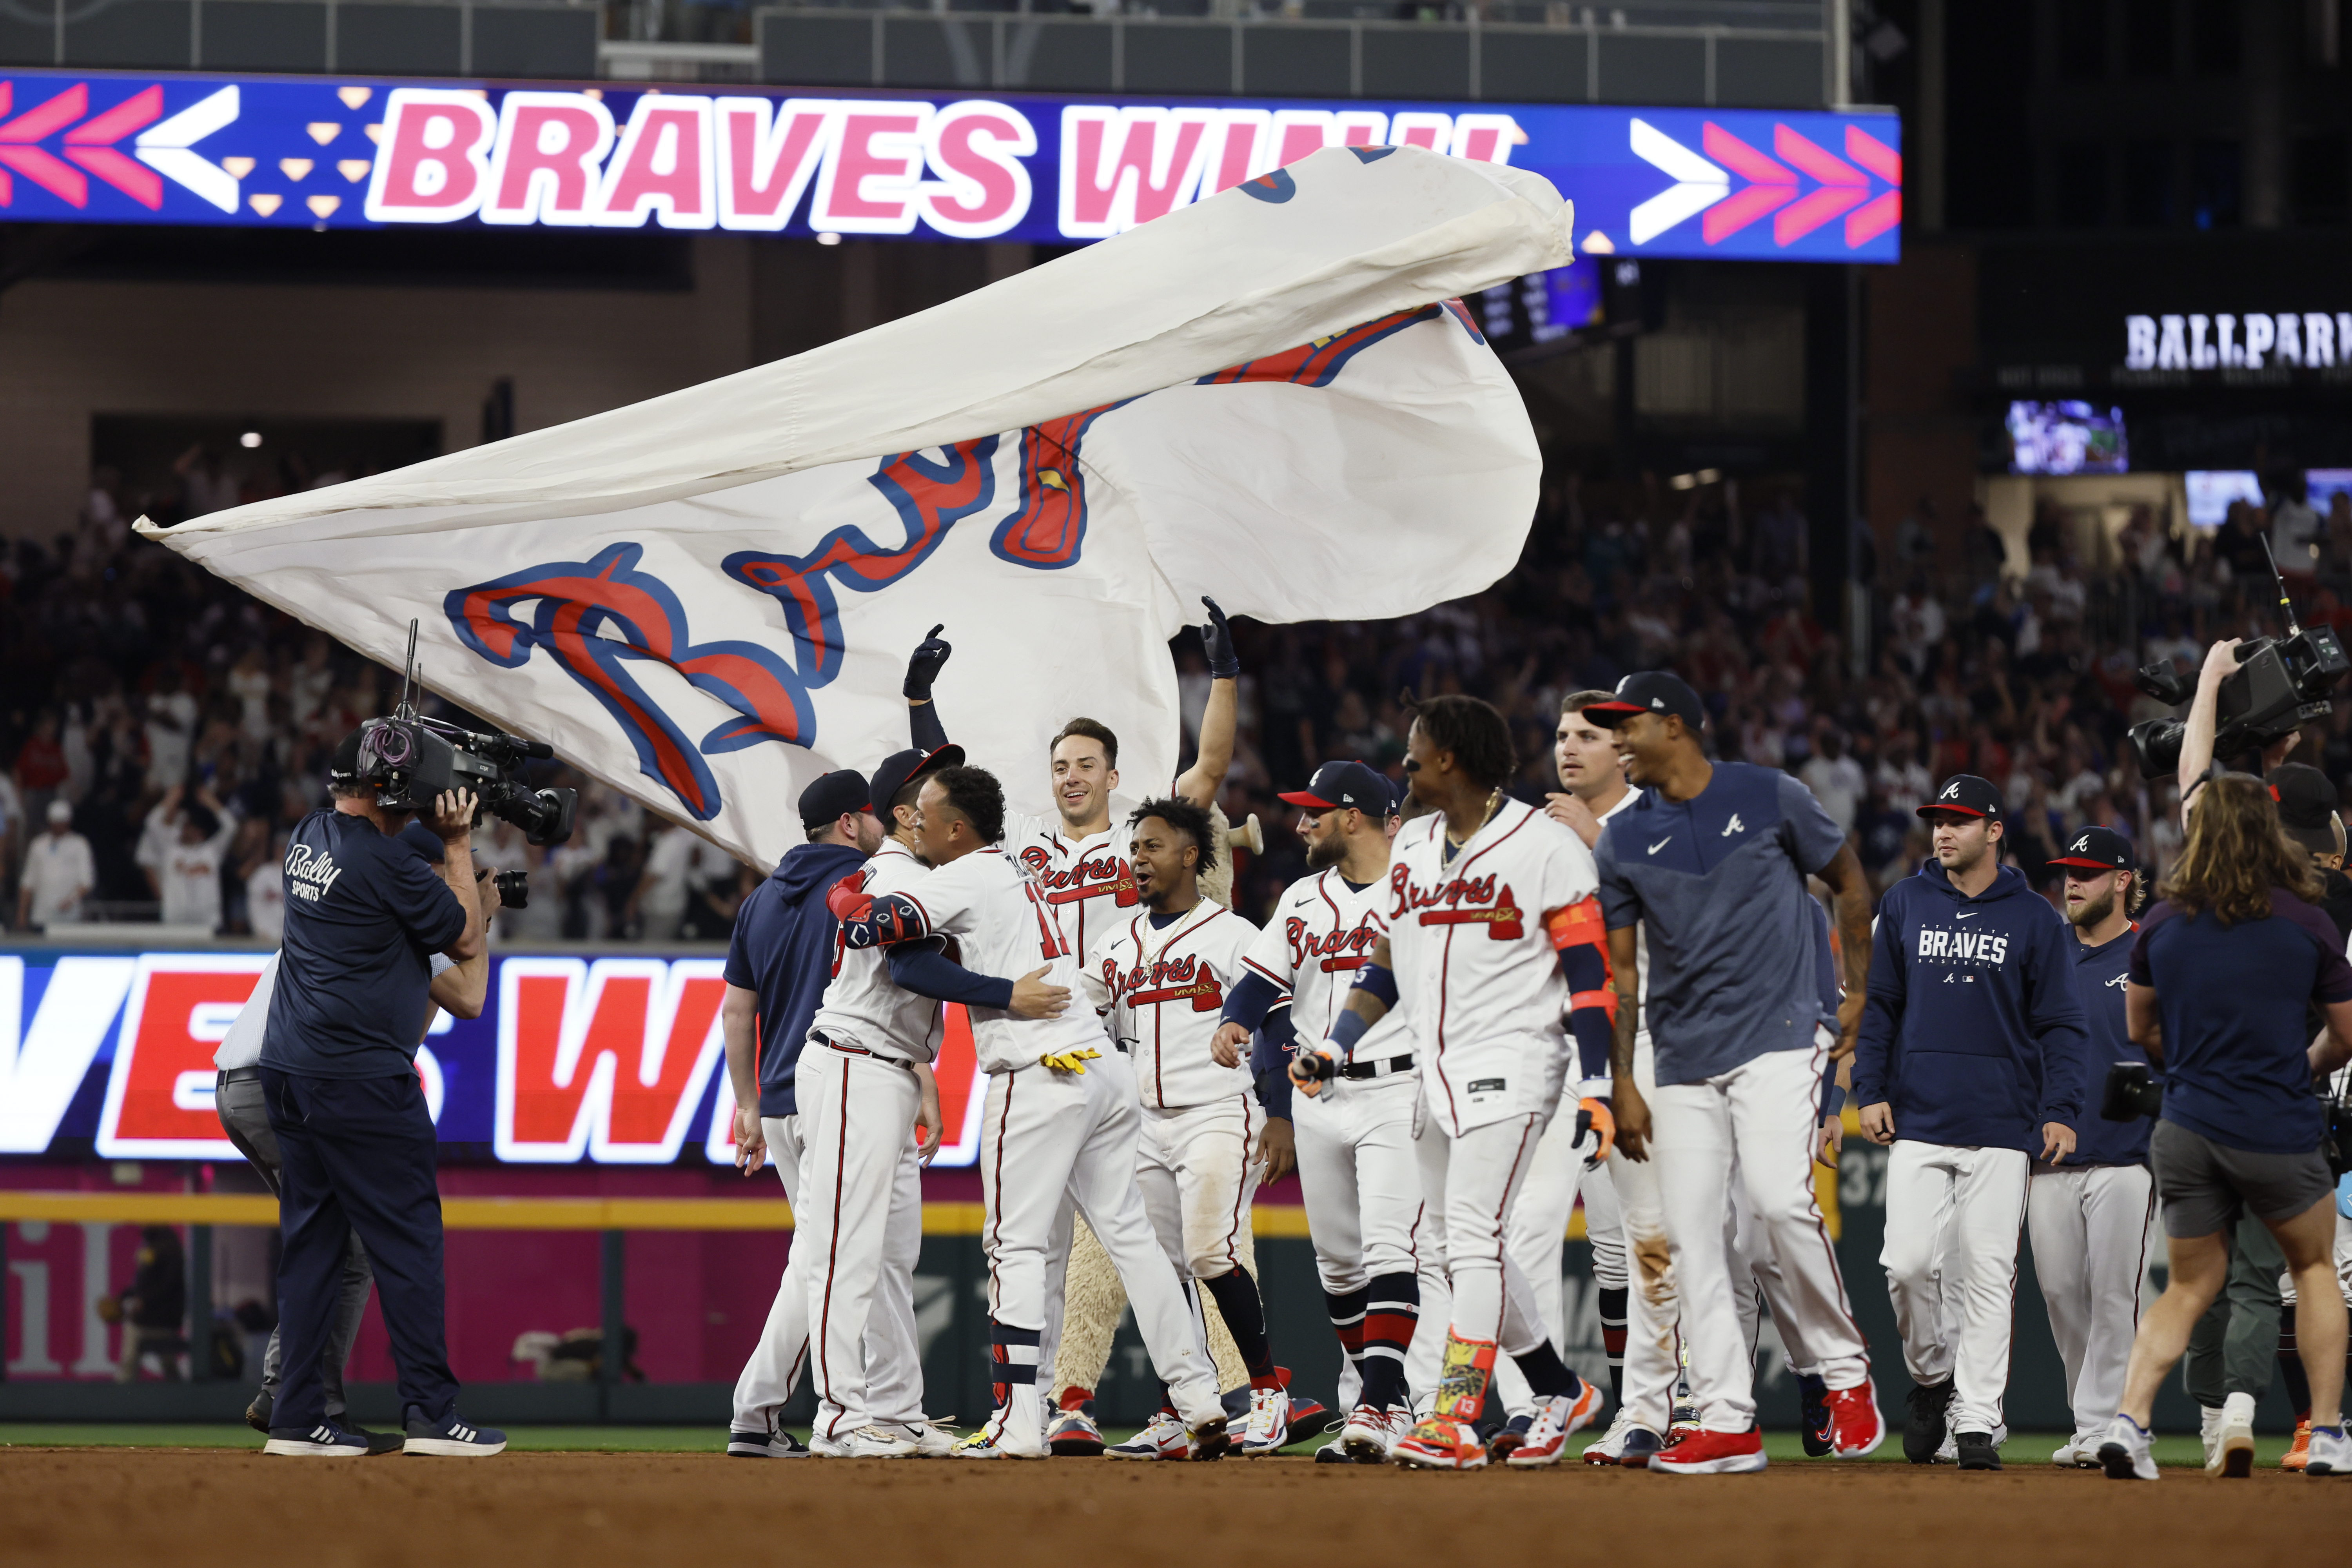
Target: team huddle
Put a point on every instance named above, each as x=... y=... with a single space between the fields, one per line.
x=1467 y=1013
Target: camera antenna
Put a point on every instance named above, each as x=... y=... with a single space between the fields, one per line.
x=2286 y=605
x=406 y=709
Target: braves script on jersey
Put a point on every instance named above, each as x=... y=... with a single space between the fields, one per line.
x=1323 y=931
x=1477 y=963
x=862 y=1005
x=1003 y=927
x=1089 y=882
x=1163 y=995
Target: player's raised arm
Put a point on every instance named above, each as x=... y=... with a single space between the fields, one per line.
x=1202 y=780
x=924 y=727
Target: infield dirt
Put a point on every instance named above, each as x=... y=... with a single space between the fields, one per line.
x=192 y=1508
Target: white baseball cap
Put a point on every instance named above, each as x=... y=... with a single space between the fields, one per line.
x=60 y=811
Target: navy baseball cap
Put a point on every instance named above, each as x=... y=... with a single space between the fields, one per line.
x=2306 y=796
x=343 y=767
x=1337 y=785
x=900 y=768
x=1655 y=692
x=842 y=790
x=1967 y=794
x=2098 y=850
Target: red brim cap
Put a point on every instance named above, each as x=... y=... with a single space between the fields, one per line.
x=1615 y=712
x=1932 y=809
x=2087 y=863
x=1300 y=797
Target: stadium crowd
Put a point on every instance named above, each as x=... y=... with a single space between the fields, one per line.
x=161 y=729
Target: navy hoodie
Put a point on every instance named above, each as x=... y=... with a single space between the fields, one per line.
x=2099 y=973
x=783 y=948
x=1972 y=1031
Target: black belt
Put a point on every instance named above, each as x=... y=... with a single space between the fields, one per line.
x=845 y=1049
x=1376 y=1069
x=237 y=1075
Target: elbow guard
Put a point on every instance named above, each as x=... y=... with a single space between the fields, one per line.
x=882 y=922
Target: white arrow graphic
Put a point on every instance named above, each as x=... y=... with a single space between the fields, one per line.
x=1698 y=185
x=163 y=147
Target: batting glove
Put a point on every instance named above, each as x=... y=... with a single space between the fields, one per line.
x=1069 y=1061
x=847 y=898
x=1217 y=642
x=1595 y=1117
x=923 y=669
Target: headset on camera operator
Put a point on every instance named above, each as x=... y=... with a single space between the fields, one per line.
x=339 y=1081
x=2215 y=993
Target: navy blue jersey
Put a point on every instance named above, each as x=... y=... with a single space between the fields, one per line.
x=2237 y=1066
x=2099 y=975
x=364 y=914
x=784 y=946
x=1717 y=883
x=1972 y=1031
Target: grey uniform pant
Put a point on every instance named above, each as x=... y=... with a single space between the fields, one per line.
x=247 y=1121
x=2234 y=1347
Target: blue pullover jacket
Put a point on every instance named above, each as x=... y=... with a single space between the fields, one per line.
x=1972 y=1031
x=2099 y=974
x=783 y=948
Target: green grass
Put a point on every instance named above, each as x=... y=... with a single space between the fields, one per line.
x=2022 y=1450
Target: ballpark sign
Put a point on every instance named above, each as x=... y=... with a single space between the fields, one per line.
x=616 y=1061
x=307 y=153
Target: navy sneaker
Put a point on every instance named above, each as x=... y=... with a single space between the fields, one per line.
x=324 y=1441
x=1814 y=1402
x=758 y=1445
x=453 y=1438
x=1639 y=1445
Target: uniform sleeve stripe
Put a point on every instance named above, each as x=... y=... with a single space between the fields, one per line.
x=1270 y=975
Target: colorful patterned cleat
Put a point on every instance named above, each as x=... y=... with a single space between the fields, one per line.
x=1440 y=1444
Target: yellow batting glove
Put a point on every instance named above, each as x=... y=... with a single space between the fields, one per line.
x=1069 y=1061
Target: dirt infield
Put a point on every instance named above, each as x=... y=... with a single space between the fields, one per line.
x=187 y=1509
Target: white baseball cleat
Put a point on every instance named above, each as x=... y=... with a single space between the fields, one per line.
x=867 y=1443
x=1369 y=1434
x=2124 y=1452
x=932 y=1440
x=1268 y=1426
x=751 y=1443
x=2231 y=1452
x=1164 y=1438
x=2076 y=1454
x=1556 y=1419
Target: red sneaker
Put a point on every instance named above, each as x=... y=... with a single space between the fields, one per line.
x=1705 y=1453
x=1438 y=1443
x=1856 y=1426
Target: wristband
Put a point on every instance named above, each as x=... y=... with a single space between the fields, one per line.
x=1833 y=1101
x=1345 y=1030
x=1375 y=981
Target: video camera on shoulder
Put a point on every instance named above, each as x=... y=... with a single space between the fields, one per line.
x=2280 y=683
x=410 y=759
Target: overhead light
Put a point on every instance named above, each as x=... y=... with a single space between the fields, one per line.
x=249 y=440
x=1691 y=482
x=828 y=239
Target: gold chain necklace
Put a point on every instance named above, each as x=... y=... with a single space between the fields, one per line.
x=1494 y=805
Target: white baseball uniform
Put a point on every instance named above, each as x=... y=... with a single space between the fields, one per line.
x=860 y=1211
x=1160 y=990
x=1472 y=935
x=1046 y=1135
x=1359 y=1177
x=1089 y=882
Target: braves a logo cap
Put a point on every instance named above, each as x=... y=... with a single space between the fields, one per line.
x=900 y=767
x=1337 y=785
x=843 y=790
x=1966 y=795
x=1658 y=691
x=2098 y=850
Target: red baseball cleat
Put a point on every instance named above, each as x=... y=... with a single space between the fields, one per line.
x=1856 y=1426
x=1438 y=1443
x=1705 y=1453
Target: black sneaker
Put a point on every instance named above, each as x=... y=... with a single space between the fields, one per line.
x=1977 y=1452
x=256 y=1415
x=1814 y=1402
x=1923 y=1428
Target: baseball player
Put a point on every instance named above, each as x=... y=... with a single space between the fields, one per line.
x=1060 y=1118
x=1493 y=939
x=864 y=1079
x=1710 y=862
x=1358 y=1174
x=2089 y=1219
x=1971 y=1064
x=778 y=965
x=1160 y=979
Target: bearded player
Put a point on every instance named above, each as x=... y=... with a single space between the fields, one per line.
x=1358 y=1174
x=1494 y=938
x=1159 y=978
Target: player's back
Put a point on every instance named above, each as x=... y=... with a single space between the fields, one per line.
x=1000 y=924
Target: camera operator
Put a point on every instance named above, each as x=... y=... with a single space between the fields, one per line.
x=458 y=988
x=345 y=1104
x=2203 y=723
x=2216 y=992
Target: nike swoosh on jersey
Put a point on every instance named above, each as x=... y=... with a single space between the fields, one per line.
x=1969 y=916
x=1662 y=842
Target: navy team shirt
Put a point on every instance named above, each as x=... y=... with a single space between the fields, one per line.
x=2099 y=975
x=364 y=914
x=1717 y=883
x=2237 y=1067
x=786 y=942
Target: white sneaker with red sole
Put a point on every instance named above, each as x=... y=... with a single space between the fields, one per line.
x=1556 y=1419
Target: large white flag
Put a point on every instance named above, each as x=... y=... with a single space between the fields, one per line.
x=707 y=599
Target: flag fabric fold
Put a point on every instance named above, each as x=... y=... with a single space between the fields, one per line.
x=705 y=599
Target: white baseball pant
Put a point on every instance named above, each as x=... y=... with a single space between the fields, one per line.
x=1537 y=1240
x=1197 y=1178
x=2090 y=1228
x=1360 y=1182
x=860 y=1219
x=1046 y=1136
x=1474 y=1181
x=1642 y=1254
x=893 y=1352
x=1752 y=1127
x=1952 y=1221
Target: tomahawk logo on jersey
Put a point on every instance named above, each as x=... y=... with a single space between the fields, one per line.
x=1462 y=935
x=1162 y=995
x=1089 y=883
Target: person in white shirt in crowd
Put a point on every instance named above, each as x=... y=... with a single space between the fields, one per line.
x=170 y=729
x=265 y=893
x=181 y=851
x=58 y=873
x=660 y=898
x=1836 y=780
